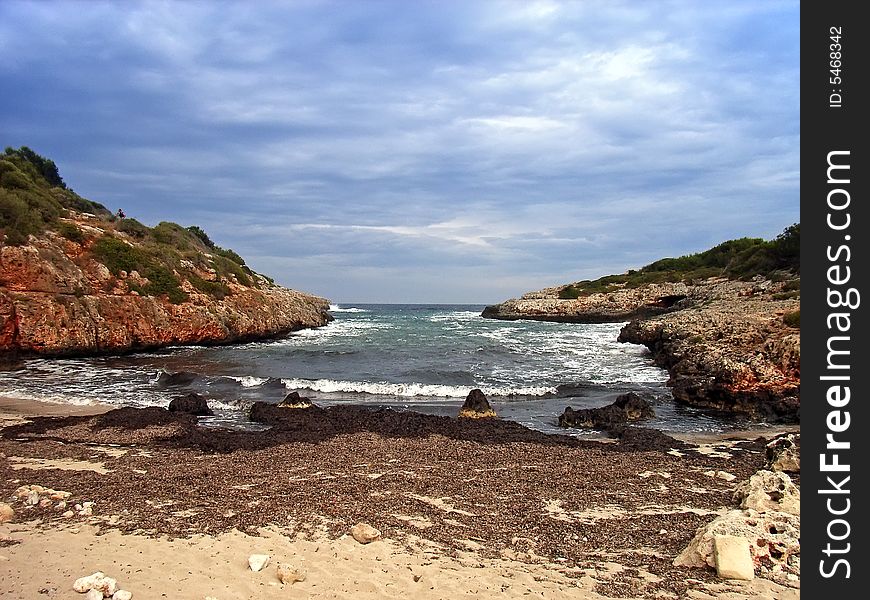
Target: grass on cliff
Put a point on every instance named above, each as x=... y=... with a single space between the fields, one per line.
x=743 y=258
x=34 y=198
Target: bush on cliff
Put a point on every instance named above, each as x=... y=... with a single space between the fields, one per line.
x=743 y=258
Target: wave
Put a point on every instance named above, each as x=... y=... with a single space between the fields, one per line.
x=408 y=390
x=337 y=308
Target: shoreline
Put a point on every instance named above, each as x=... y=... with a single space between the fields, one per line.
x=464 y=511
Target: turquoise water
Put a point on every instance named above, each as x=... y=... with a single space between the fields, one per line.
x=410 y=357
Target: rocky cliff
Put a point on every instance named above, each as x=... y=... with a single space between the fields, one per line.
x=57 y=299
x=728 y=344
x=76 y=280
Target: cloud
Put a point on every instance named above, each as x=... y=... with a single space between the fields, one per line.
x=524 y=143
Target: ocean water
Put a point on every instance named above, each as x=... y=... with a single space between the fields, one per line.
x=408 y=357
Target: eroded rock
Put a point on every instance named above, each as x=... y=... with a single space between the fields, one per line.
x=769 y=491
x=784 y=453
x=476 y=406
x=365 y=533
x=7 y=513
x=192 y=404
x=257 y=562
x=294 y=400
x=733 y=557
x=627 y=407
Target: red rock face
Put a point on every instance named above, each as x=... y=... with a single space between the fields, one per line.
x=56 y=301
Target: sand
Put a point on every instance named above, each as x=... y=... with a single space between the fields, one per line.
x=173 y=518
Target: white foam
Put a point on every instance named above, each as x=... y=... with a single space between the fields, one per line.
x=337 y=308
x=249 y=380
x=384 y=388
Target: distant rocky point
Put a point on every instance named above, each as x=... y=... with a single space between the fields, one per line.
x=76 y=279
x=725 y=322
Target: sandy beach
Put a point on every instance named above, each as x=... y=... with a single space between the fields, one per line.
x=465 y=509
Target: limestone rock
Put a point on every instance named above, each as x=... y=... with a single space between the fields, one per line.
x=98 y=581
x=193 y=404
x=364 y=533
x=94 y=594
x=122 y=595
x=288 y=575
x=769 y=491
x=733 y=557
x=294 y=400
x=476 y=406
x=258 y=562
x=784 y=453
x=7 y=513
x=774 y=538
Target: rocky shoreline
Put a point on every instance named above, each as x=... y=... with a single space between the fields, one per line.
x=57 y=300
x=728 y=345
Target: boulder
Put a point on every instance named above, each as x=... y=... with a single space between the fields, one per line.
x=784 y=453
x=6 y=513
x=476 y=406
x=258 y=562
x=774 y=538
x=177 y=379
x=627 y=407
x=733 y=557
x=122 y=595
x=364 y=533
x=97 y=581
x=294 y=400
x=192 y=404
x=769 y=491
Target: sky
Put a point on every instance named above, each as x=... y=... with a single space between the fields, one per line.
x=449 y=152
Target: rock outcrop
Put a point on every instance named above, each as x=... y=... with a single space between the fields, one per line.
x=476 y=406
x=57 y=299
x=627 y=407
x=192 y=404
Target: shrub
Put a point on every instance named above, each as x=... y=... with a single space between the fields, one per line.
x=226 y=267
x=792 y=319
x=118 y=255
x=16 y=219
x=215 y=289
x=133 y=228
x=173 y=234
x=71 y=232
x=162 y=281
x=230 y=254
x=202 y=235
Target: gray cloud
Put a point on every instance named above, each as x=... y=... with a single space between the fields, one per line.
x=424 y=151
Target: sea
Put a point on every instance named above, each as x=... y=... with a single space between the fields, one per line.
x=415 y=357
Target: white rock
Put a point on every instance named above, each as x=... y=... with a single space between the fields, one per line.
x=783 y=453
x=725 y=476
x=364 y=533
x=68 y=514
x=733 y=557
x=98 y=581
x=289 y=575
x=122 y=595
x=94 y=595
x=7 y=513
x=258 y=561
x=774 y=537
x=32 y=498
x=769 y=491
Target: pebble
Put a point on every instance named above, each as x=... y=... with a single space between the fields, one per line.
x=258 y=561
x=365 y=533
x=289 y=575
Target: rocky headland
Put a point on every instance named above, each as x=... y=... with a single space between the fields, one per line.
x=77 y=280
x=729 y=342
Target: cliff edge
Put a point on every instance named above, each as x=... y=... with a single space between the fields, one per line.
x=77 y=280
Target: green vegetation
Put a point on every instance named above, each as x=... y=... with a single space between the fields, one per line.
x=33 y=197
x=743 y=258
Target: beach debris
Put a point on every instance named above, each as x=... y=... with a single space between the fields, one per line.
x=98 y=581
x=258 y=562
x=774 y=540
x=733 y=557
x=476 y=406
x=122 y=595
x=192 y=404
x=289 y=575
x=784 y=453
x=769 y=491
x=7 y=513
x=627 y=407
x=365 y=533
x=294 y=400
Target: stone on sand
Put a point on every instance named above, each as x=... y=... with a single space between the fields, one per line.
x=122 y=595
x=733 y=557
x=94 y=594
x=7 y=513
x=98 y=581
x=192 y=404
x=364 y=533
x=258 y=562
x=784 y=453
x=288 y=575
x=769 y=491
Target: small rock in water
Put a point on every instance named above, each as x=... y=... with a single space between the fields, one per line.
x=288 y=575
x=364 y=533
x=294 y=400
x=258 y=562
x=476 y=406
